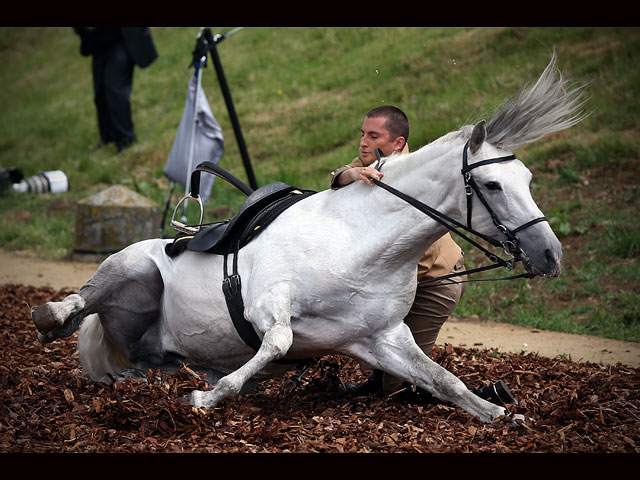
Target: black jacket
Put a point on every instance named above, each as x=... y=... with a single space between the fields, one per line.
x=137 y=41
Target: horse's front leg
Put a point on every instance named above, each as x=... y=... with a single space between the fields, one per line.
x=396 y=352
x=272 y=314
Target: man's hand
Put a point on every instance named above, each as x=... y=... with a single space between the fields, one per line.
x=359 y=173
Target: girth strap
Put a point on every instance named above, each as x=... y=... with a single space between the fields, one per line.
x=232 y=284
x=232 y=288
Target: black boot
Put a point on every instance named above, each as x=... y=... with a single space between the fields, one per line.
x=373 y=385
x=497 y=393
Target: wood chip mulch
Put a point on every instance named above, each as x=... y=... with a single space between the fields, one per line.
x=48 y=405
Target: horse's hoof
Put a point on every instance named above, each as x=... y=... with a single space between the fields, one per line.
x=44 y=319
x=198 y=399
x=43 y=339
x=521 y=420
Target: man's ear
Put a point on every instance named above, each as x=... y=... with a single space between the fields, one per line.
x=399 y=143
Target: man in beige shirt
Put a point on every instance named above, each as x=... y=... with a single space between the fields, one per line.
x=387 y=128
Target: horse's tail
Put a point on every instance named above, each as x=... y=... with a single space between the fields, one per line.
x=98 y=355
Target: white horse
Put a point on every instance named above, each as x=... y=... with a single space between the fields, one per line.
x=333 y=274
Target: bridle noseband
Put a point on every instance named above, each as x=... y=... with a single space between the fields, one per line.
x=511 y=246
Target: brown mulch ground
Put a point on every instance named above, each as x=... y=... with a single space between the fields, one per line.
x=47 y=405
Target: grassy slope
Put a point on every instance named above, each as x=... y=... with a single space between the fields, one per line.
x=301 y=93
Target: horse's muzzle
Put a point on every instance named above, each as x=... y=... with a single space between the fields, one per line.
x=548 y=264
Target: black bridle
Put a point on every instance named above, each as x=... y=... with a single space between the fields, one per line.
x=511 y=246
x=471 y=187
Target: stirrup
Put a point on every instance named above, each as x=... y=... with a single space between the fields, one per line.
x=181 y=227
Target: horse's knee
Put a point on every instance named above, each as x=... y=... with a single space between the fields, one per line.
x=449 y=388
x=278 y=340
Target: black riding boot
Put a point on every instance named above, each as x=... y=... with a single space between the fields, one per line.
x=497 y=393
x=373 y=385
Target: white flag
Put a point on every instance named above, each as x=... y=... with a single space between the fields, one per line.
x=208 y=142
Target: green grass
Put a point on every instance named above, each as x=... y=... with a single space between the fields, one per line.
x=300 y=94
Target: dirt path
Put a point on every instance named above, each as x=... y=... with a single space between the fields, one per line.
x=469 y=333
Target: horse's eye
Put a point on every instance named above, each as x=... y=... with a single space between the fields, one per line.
x=493 y=186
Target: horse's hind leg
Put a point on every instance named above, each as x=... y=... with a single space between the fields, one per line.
x=58 y=319
x=61 y=319
x=272 y=314
x=108 y=286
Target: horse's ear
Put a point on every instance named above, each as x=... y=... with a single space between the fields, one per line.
x=477 y=136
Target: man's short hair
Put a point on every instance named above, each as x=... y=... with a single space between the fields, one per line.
x=397 y=122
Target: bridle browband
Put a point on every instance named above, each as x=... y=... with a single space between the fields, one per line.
x=510 y=246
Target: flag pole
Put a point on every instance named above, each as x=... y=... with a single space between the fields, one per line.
x=199 y=65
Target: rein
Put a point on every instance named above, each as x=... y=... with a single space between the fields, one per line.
x=510 y=247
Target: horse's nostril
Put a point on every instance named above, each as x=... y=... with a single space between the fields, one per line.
x=553 y=262
x=553 y=256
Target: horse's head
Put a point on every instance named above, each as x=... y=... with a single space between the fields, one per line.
x=499 y=205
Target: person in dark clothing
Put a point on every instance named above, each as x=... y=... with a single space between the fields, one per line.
x=116 y=51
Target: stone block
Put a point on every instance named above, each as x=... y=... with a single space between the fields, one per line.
x=112 y=220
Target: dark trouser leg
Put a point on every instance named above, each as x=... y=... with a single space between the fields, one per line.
x=373 y=385
x=113 y=96
x=100 y=97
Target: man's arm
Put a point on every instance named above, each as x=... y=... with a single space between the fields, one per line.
x=348 y=174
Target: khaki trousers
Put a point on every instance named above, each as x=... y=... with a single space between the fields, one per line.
x=431 y=308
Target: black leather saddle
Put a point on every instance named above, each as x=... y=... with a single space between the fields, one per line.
x=260 y=208
x=257 y=211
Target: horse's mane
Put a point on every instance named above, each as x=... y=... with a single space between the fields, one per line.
x=550 y=105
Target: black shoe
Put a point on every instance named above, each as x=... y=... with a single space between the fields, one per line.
x=124 y=143
x=497 y=393
x=97 y=146
x=372 y=386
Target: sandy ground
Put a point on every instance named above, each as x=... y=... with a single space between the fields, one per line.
x=469 y=333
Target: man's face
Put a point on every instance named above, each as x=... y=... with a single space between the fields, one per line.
x=375 y=135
